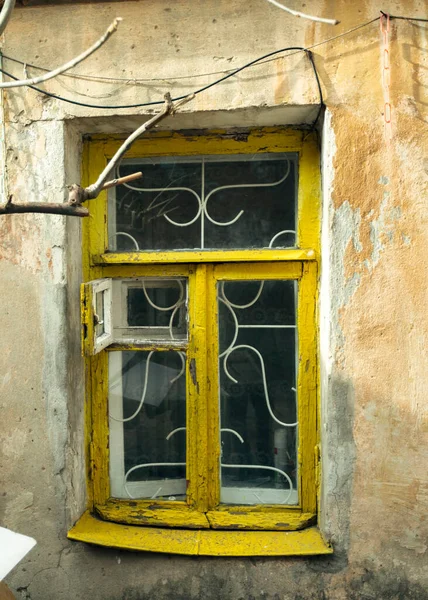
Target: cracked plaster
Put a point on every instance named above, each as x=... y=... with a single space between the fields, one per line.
x=372 y=300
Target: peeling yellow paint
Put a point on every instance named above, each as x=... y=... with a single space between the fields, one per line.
x=202 y=509
x=203 y=542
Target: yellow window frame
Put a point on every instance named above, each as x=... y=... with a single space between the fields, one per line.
x=203 y=269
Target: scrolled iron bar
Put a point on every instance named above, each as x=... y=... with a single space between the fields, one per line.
x=164 y=308
x=143 y=395
x=129 y=236
x=171 y=320
x=202 y=201
x=238 y=466
x=227 y=430
x=245 y=346
x=259 y=293
x=173 y=189
x=236 y=186
x=146 y=466
x=236 y=332
x=146 y=381
x=280 y=233
x=267 y=468
x=183 y=366
x=174 y=431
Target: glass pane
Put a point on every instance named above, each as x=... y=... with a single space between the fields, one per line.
x=205 y=202
x=258 y=405
x=99 y=314
x=147 y=414
x=150 y=309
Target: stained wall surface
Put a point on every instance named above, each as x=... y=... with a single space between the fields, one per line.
x=374 y=282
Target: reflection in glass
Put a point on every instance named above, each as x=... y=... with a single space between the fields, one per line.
x=202 y=202
x=258 y=408
x=151 y=309
x=99 y=314
x=147 y=403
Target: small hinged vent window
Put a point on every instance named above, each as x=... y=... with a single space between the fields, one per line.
x=97 y=331
x=134 y=311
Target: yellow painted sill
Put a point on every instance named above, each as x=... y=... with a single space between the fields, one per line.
x=205 y=542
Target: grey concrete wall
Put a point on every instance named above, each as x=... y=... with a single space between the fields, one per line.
x=373 y=291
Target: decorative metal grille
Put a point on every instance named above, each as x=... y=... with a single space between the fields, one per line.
x=275 y=446
x=193 y=195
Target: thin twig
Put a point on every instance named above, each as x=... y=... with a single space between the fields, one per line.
x=120 y=180
x=70 y=210
x=6 y=13
x=96 y=187
x=303 y=15
x=69 y=65
x=77 y=194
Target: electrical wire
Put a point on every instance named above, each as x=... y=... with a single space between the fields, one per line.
x=407 y=18
x=134 y=80
x=196 y=92
x=260 y=60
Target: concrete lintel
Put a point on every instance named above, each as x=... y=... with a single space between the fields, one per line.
x=252 y=116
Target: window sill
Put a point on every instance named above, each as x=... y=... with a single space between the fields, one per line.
x=206 y=542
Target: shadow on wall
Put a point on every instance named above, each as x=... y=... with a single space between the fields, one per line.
x=338 y=465
x=416 y=55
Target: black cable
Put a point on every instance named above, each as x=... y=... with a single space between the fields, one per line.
x=151 y=79
x=406 y=18
x=317 y=79
x=198 y=91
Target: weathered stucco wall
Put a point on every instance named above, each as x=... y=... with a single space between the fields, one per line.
x=373 y=291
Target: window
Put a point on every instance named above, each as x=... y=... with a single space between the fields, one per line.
x=199 y=328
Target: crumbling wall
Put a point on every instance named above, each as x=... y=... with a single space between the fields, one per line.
x=373 y=285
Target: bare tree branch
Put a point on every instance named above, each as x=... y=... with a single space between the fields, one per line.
x=69 y=65
x=44 y=207
x=303 y=15
x=77 y=194
x=71 y=210
x=6 y=13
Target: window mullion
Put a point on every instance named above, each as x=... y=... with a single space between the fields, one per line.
x=196 y=443
x=213 y=425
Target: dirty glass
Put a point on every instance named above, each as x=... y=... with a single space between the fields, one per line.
x=151 y=309
x=258 y=403
x=147 y=414
x=99 y=313
x=205 y=202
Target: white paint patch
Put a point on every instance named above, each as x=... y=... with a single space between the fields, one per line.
x=5 y=379
x=406 y=239
x=13 y=444
x=382 y=230
x=58 y=267
x=329 y=149
x=344 y=229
